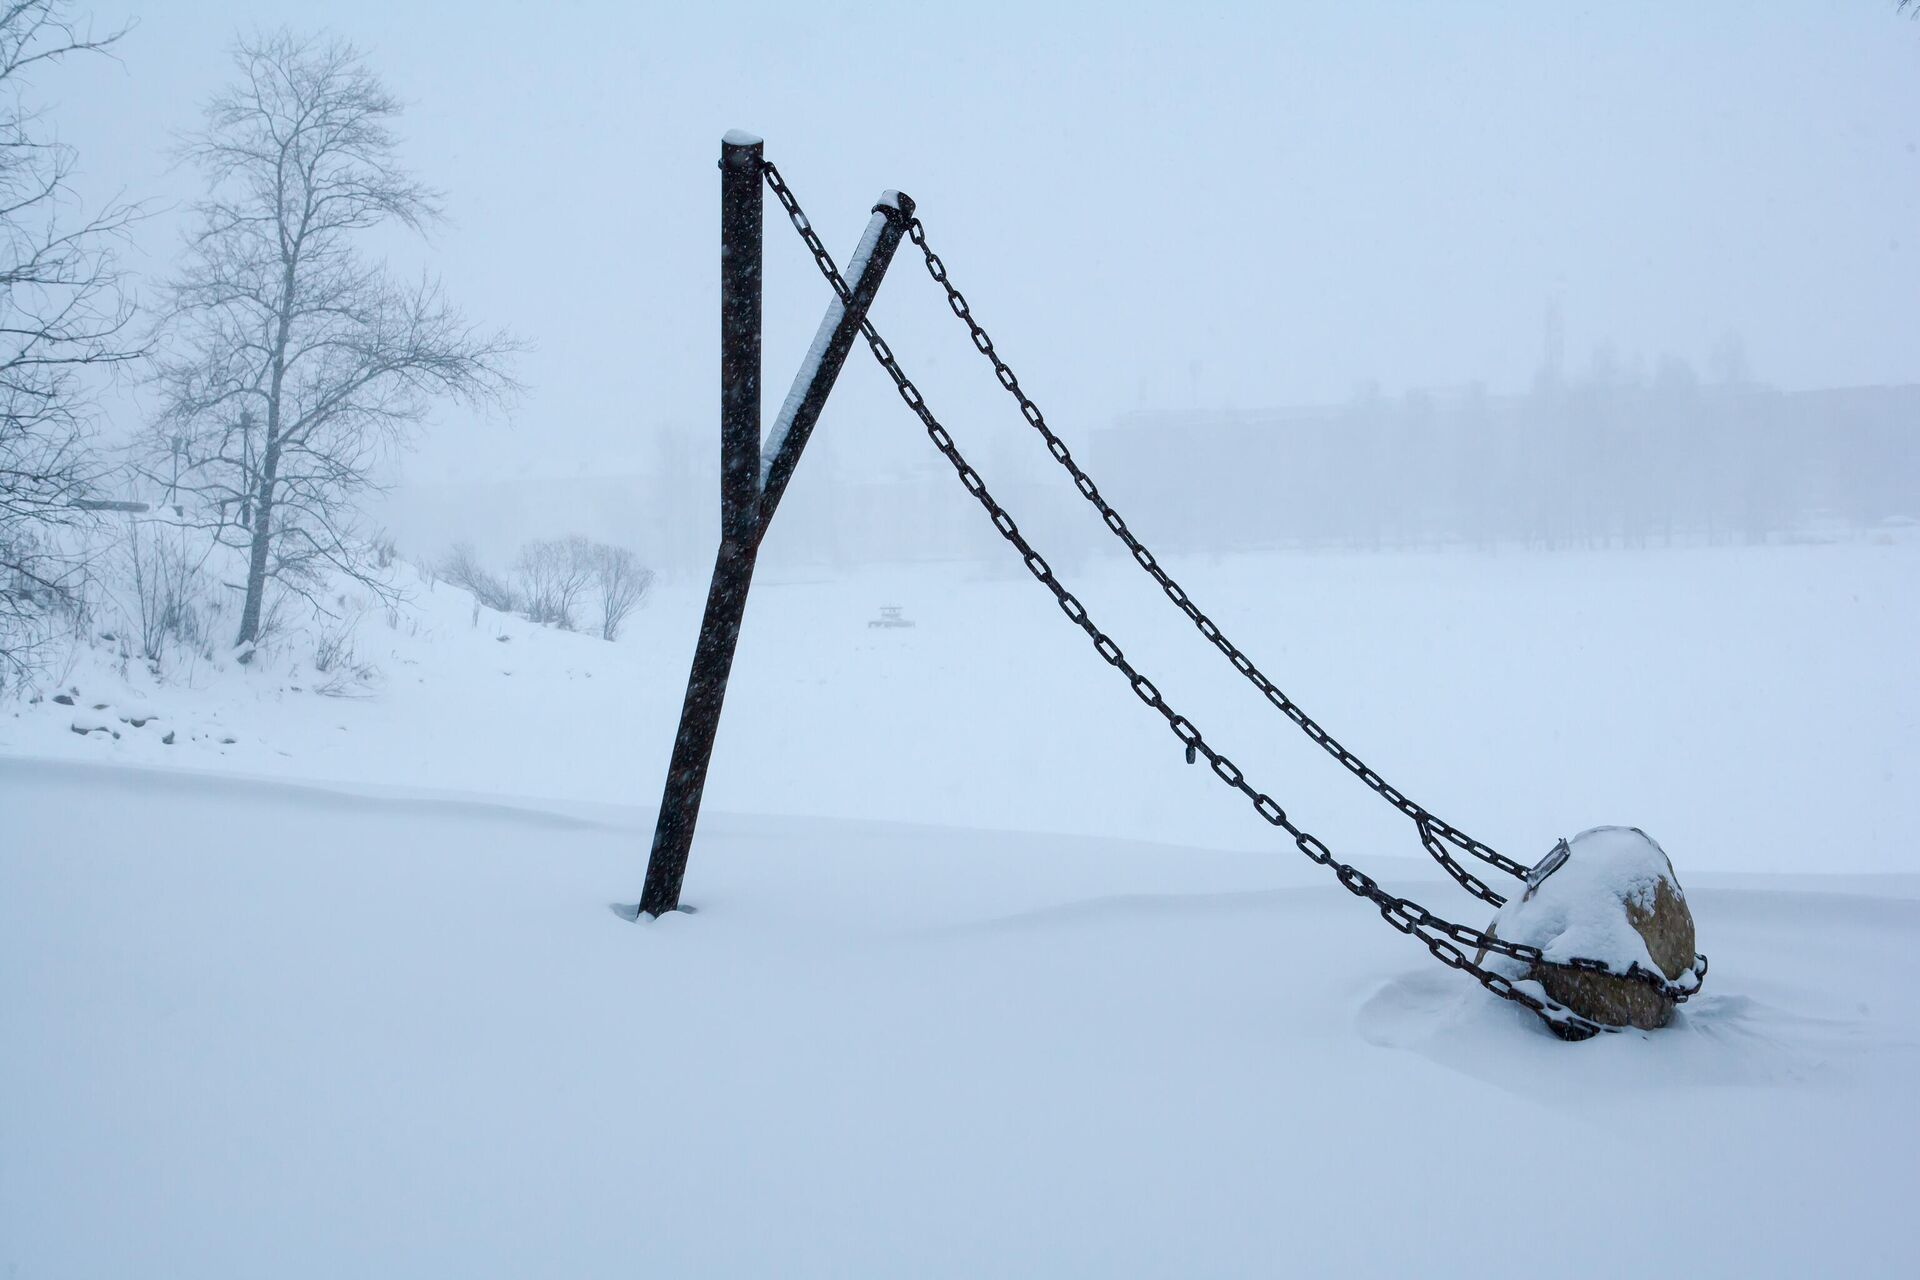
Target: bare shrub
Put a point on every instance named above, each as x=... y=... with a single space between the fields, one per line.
x=334 y=656
x=167 y=601
x=554 y=573
x=623 y=583
x=463 y=569
x=41 y=595
x=332 y=649
x=557 y=582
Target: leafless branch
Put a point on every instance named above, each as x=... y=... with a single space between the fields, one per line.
x=65 y=320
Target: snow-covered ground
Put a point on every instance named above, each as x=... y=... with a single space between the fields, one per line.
x=1754 y=709
x=1022 y=993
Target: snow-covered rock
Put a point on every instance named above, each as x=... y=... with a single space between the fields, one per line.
x=1613 y=897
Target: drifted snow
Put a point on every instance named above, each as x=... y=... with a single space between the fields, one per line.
x=261 y=1028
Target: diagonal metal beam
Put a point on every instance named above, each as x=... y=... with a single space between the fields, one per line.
x=794 y=424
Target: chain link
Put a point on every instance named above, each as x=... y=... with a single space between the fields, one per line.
x=1444 y=939
x=808 y=235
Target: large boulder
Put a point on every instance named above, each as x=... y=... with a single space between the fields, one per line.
x=1614 y=897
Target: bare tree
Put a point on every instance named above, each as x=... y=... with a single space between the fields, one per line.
x=555 y=574
x=63 y=317
x=298 y=364
x=623 y=582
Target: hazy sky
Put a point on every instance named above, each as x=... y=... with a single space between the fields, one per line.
x=1213 y=205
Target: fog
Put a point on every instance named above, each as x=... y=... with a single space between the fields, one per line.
x=1584 y=254
x=1519 y=400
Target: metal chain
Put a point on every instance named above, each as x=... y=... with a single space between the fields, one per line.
x=808 y=236
x=1445 y=939
x=1432 y=829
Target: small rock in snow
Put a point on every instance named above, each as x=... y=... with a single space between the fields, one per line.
x=85 y=725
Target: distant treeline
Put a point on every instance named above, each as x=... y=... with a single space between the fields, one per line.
x=1601 y=463
x=1609 y=461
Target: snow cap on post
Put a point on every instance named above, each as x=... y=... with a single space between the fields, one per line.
x=741 y=138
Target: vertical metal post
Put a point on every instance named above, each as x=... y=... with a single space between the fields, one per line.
x=745 y=510
x=740 y=225
x=741 y=198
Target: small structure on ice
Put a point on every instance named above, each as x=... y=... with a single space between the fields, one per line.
x=1612 y=897
x=889 y=617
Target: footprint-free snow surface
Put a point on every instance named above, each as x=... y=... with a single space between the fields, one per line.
x=257 y=1028
x=296 y=986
